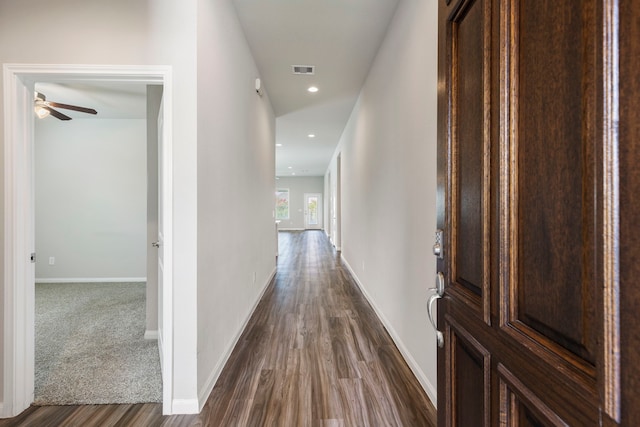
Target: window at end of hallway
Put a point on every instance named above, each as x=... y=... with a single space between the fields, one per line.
x=282 y=203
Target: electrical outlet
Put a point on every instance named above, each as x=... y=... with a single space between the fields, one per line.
x=52 y=260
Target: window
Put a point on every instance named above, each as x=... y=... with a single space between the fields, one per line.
x=282 y=203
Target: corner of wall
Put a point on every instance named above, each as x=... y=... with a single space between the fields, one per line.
x=185 y=406
x=211 y=380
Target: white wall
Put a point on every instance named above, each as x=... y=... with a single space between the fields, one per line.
x=219 y=125
x=389 y=183
x=90 y=199
x=236 y=174
x=159 y=32
x=298 y=186
x=173 y=41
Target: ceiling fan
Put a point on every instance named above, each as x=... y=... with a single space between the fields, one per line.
x=43 y=108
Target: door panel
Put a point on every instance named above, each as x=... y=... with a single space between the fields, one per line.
x=467 y=74
x=469 y=384
x=554 y=142
x=470 y=374
x=468 y=71
x=530 y=314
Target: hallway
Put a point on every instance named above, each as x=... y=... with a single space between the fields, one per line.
x=313 y=354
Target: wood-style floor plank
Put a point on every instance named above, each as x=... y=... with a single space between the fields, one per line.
x=313 y=354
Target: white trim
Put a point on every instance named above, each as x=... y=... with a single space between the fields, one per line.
x=422 y=378
x=290 y=229
x=207 y=388
x=92 y=280
x=151 y=334
x=185 y=406
x=19 y=81
x=18 y=228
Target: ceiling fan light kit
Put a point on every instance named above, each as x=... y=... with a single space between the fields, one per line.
x=41 y=112
x=43 y=108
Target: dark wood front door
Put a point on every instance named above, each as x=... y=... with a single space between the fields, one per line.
x=530 y=187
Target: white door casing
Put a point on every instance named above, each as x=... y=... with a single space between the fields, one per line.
x=19 y=274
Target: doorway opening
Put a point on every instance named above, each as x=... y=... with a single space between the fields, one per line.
x=335 y=204
x=19 y=291
x=312 y=211
x=94 y=299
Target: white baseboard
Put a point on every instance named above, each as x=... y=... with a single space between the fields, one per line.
x=92 y=280
x=151 y=335
x=206 y=389
x=408 y=357
x=291 y=229
x=184 y=406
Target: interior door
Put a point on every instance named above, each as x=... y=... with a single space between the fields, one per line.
x=165 y=320
x=527 y=181
x=159 y=244
x=312 y=211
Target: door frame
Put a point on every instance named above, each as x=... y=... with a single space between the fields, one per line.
x=19 y=241
x=337 y=229
x=319 y=211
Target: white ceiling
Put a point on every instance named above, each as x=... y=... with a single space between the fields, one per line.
x=112 y=100
x=339 y=37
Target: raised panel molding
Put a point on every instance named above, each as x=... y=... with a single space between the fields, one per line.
x=610 y=360
x=514 y=395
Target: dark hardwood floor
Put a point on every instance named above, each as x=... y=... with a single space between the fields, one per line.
x=313 y=354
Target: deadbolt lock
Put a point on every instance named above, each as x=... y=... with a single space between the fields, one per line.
x=438 y=249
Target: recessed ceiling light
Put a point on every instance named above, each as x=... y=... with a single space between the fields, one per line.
x=311 y=135
x=293 y=173
x=290 y=167
x=313 y=89
x=278 y=145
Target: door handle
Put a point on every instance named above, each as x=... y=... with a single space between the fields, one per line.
x=156 y=244
x=438 y=293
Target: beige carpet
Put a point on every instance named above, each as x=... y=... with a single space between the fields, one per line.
x=90 y=346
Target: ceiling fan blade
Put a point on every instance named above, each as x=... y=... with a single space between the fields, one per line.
x=57 y=114
x=73 y=107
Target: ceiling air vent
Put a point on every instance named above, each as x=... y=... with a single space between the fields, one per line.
x=303 y=69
